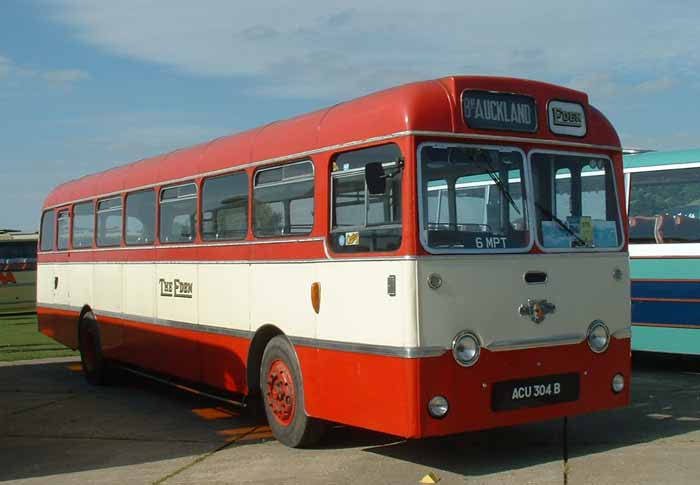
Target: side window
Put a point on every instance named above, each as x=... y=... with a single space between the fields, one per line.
x=83 y=224
x=140 y=217
x=360 y=221
x=63 y=230
x=225 y=207
x=283 y=200
x=178 y=214
x=47 y=230
x=664 y=206
x=109 y=222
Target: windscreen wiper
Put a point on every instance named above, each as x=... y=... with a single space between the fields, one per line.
x=499 y=183
x=561 y=223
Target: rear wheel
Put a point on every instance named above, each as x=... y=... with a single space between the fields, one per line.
x=283 y=396
x=94 y=365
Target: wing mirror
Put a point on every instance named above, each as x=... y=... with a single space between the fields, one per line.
x=375 y=178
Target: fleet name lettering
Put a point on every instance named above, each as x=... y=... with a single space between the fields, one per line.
x=563 y=117
x=499 y=111
x=176 y=288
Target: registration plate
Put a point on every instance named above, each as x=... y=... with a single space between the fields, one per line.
x=538 y=391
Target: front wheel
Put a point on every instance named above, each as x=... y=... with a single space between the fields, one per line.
x=94 y=365
x=283 y=396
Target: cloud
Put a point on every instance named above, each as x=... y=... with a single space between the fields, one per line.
x=11 y=70
x=606 y=86
x=65 y=75
x=316 y=48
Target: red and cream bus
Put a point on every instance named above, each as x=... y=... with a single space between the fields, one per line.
x=425 y=260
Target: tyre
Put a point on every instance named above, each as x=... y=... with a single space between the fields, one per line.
x=282 y=391
x=95 y=367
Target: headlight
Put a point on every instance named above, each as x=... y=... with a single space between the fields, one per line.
x=438 y=407
x=466 y=348
x=598 y=336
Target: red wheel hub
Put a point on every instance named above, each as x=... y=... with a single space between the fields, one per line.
x=281 y=397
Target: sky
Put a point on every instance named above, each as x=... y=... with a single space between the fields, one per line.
x=86 y=84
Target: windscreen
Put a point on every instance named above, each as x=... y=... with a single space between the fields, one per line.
x=473 y=198
x=575 y=201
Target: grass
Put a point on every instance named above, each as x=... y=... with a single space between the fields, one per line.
x=20 y=339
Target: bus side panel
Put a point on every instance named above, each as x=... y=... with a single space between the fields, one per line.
x=59 y=324
x=223 y=361
x=665 y=300
x=369 y=391
x=107 y=293
x=81 y=291
x=224 y=302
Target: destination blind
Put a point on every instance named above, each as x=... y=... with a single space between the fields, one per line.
x=499 y=111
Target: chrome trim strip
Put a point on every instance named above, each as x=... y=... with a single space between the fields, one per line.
x=566 y=339
x=517 y=139
x=623 y=333
x=339 y=146
x=203 y=262
x=384 y=350
x=387 y=350
x=189 y=245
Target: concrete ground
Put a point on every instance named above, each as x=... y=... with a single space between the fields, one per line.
x=55 y=427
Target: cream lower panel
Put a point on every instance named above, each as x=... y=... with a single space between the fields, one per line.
x=483 y=294
x=81 y=284
x=61 y=292
x=44 y=283
x=280 y=294
x=177 y=292
x=139 y=289
x=107 y=287
x=224 y=294
x=356 y=306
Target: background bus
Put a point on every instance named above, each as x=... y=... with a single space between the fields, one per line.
x=17 y=272
x=421 y=261
x=663 y=193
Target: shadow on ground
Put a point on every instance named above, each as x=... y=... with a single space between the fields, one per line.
x=665 y=403
x=52 y=422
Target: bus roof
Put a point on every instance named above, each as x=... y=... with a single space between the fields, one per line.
x=651 y=159
x=431 y=107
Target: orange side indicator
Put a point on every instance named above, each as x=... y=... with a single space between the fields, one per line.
x=213 y=413
x=316 y=296
x=75 y=368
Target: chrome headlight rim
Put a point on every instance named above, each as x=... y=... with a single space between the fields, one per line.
x=477 y=344
x=595 y=324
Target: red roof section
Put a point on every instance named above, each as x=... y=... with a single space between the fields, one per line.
x=423 y=106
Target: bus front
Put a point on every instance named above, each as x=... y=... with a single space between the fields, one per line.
x=524 y=272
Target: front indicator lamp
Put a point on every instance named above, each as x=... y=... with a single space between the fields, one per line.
x=598 y=336
x=618 y=383
x=438 y=407
x=466 y=349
